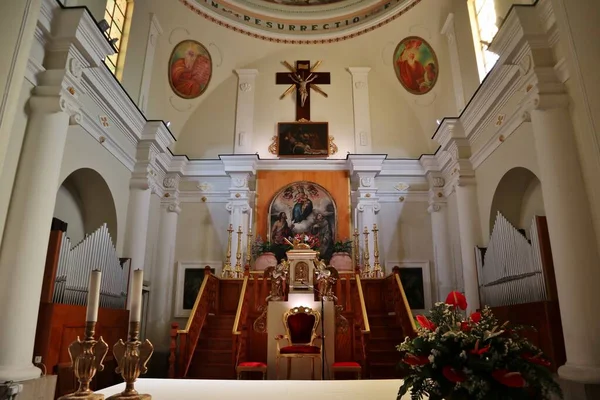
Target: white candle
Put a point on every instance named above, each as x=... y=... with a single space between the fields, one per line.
x=250 y=220
x=135 y=314
x=93 y=296
x=355 y=218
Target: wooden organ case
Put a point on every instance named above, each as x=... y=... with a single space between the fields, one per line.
x=62 y=310
x=516 y=279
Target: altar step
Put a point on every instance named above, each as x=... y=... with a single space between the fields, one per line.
x=213 y=358
x=382 y=355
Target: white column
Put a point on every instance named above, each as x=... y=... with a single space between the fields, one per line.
x=572 y=236
x=25 y=244
x=134 y=245
x=368 y=206
x=161 y=284
x=468 y=228
x=441 y=241
x=237 y=206
x=154 y=32
x=244 y=116
x=459 y=95
x=362 y=110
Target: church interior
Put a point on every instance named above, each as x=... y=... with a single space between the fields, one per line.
x=270 y=192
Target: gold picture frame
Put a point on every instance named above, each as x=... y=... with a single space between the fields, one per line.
x=302 y=139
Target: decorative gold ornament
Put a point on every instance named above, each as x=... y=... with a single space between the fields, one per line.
x=332 y=146
x=367 y=264
x=132 y=358
x=249 y=248
x=377 y=272
x=86 y=357
x=203 y=199
x=227 y=272
x=274 y=147
x=356 y=249
x=297 y=245
x=238 y=273
x=401 y=199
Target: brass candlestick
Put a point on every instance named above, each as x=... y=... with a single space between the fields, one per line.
x=356 y=250
x=249 y=248
x=132 y=358
x=86 y=357
x=377 y=272
x=367 y=264
x=238 y=273
x=227 y=272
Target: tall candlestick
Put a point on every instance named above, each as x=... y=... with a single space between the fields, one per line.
x=93 y=296
x=249 y=248
x=135 y=314
x=367 y=265
x=356 y=218
x=238 y=254
x=250 y=220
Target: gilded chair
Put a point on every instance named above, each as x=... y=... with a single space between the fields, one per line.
x=301 y=326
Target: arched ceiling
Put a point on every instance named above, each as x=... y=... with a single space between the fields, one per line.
x=301 y=21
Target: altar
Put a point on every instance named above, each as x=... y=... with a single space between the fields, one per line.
x=192 y=389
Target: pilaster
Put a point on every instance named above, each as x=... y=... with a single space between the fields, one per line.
x=244 y=117
x=362 y=109
x=154 y=32
x=449 y=32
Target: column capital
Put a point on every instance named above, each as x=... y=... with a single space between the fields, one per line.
x=246 y=74
x=144 y=174
x=242 y=163
x=157 y=133
x=365 y=163
x=171 y=205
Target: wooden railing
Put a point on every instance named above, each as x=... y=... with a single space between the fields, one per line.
x=362 y=322
x=240 y=330
x=401 y=307
x=184 y=341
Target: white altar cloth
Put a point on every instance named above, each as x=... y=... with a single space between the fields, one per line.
x=195 y=389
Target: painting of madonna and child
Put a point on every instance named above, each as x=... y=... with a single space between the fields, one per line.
x=303 y=208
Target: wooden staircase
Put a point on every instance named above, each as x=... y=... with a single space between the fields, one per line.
x=213 y=358
x=383 y=357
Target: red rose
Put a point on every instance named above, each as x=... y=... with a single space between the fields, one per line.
x=510 y=379
x=425 y=323
x=476 y=317
x=457 y=299
x=536 y=359
x=453 y=375
x=411 y=359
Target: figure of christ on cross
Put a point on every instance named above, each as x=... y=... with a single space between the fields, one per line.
x=302 y=79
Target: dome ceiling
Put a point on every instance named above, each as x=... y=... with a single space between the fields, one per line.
x=301 y=21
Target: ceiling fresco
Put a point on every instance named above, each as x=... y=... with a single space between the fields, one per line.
x=301 y=21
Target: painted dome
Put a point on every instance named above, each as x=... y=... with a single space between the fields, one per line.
x=301 y=21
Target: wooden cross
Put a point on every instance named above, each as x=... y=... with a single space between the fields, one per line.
x=302 y=79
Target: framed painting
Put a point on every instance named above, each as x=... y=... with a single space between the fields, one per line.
x=303 y=208
x=416 y=65
x=190 y=69
x=416 y=280
x=190 y=275
x=303 y=139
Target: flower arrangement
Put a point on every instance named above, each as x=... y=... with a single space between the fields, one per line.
x=260 y=247
x=307 y=238
x=472 y=358
x=343 y=246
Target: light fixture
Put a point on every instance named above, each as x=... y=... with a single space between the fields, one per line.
x=114 y=41
x=438 y=121
x=168 y=123
x=103 y=25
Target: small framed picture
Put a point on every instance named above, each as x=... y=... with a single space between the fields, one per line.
x=190 y=275
x=303 y=139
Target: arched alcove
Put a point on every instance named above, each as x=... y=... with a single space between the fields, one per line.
x=84 y=201
x=518 y=197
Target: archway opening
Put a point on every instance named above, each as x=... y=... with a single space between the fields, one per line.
x=518 y=197
x=84 y=201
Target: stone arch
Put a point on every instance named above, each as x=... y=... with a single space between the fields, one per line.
x=518 y=197
x=84 y=201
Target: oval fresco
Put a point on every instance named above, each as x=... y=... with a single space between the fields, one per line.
x=190 y=69
x=416 y=65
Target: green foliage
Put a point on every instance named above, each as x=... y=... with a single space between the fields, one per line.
x=259 y=247
x=343 y=246
x=473 y=358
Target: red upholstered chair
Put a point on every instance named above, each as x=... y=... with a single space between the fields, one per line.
x=251 y=366
x=346 y=366
x=300 y=325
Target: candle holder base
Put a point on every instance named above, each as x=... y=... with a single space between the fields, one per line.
x=82 y=396
x=124 y=396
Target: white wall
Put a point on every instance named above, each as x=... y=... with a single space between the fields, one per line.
x=516 y=151
x=69 y=209
x=402 y=123
x=532 y=205
x=83 y=151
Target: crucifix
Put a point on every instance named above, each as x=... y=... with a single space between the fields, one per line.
x=302 y=79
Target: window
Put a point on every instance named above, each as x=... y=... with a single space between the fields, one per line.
x=483 y=17
x=116 y=15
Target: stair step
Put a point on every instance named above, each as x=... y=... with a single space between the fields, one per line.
x=216 y=343
x=204 y=356
x=212 y=371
